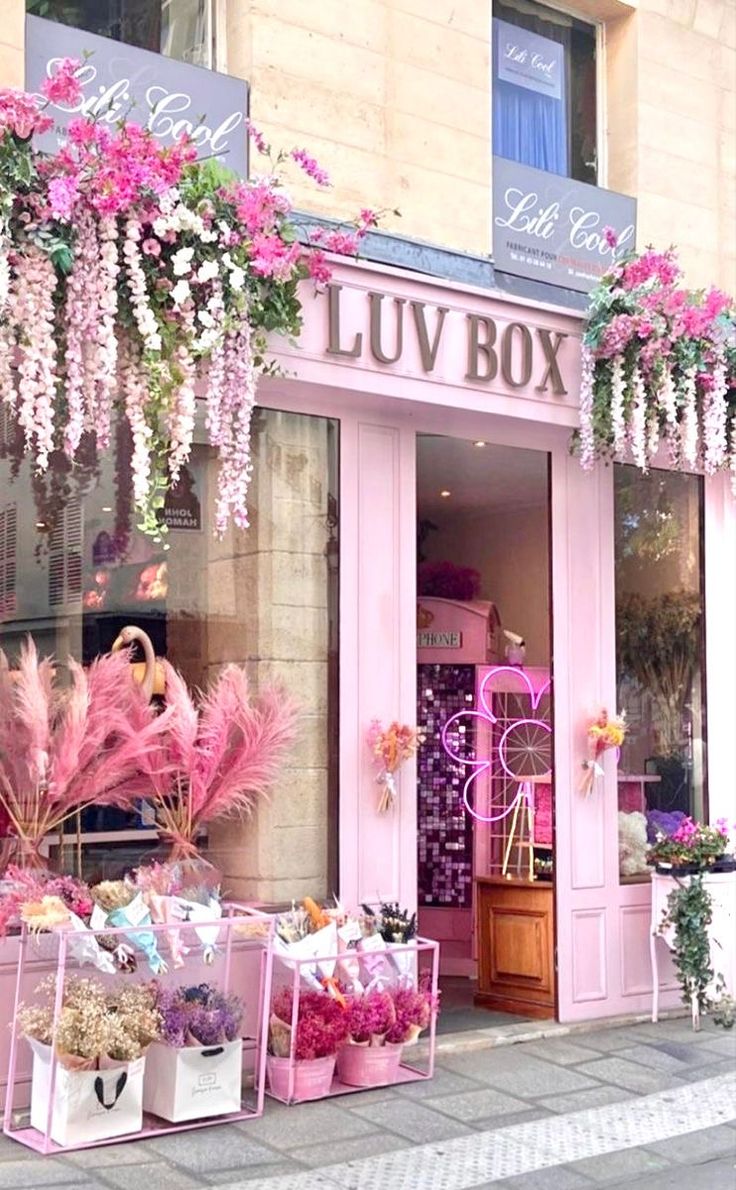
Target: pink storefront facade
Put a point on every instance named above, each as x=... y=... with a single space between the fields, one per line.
x=393 y=356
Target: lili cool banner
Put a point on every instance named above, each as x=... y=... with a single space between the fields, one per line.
x=528 y=60
x=124 y=82
x=552 y=228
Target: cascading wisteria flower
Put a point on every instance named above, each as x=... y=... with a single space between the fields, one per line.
x=663 y=368
x=134 y=279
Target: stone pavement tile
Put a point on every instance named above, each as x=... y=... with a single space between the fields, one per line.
x=696 y=1147
x=560 y=1051
x=630 y=1075
x=656 y=1058
x=158 y=1176
x=622 y=1166
x=413 y=1120
x=558 y=1177
x=723 y=1047
x=695 y=1074
x=497 y=1123
x=134 y=1153
x=330 y=1153
x=476 y=1105
x=716 y=1175
x=511 y=1071
x=11 y=1150
x=227 y=1178
x=605 y=1040
x=206 y=1149
x=444 y=1082
x=677 y=1030
x=44 y=1171
x=286 y=1128
x=580 y=1100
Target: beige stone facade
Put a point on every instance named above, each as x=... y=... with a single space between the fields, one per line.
x=393 y=97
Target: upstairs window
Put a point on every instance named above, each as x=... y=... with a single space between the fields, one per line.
x=544 y=89
x=180 y=29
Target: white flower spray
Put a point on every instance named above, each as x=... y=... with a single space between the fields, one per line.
x=618 y=392
x=639 y=421
x=587 y=434
x=689 y=428
x=715 y=421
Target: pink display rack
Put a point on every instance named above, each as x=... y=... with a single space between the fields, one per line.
x=294 y=970
x=243 y=963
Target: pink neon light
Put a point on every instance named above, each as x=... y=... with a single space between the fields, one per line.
x=526 y=786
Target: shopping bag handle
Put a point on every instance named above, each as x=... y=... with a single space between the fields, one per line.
x=119 y=1088
x=213 y=1053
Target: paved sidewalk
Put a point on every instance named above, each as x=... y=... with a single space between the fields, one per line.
x=651 y=1107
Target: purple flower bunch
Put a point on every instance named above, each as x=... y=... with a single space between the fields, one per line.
x=392 y=1015
x=198 y=1015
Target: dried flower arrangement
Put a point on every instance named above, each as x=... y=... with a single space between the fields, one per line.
x=64 y=749
x=320 y=1030
x=95 y=1023
x=396 y=924
x=198 y=1015
x=216 y=756
x=22 y=887
x=390 y=747
x=393 y=1016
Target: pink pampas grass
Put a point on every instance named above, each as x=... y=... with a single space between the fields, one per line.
x=64 y=749
x=217 y=759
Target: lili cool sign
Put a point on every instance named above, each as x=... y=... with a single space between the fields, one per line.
x=122 y=82
x=551 y=228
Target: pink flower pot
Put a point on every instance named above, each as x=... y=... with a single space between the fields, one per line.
x=368 y=1066
x=312 y=1079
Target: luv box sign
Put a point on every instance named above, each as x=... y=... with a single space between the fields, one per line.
x=123 y=82
x=551 y=228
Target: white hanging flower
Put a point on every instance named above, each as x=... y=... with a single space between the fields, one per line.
x=639 y=421
x=181 y=261
x=207 y=271
x=715 y=421
x=180 y=292
x=689 y=419
x=587 y=435
x=652 y=434
x=668 y=405
x=4 y=274
x=208 y=236
x=237 y=278
x=168 y=200
x=732 y=455
x=618 y=390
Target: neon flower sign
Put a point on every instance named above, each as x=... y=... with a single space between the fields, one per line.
x=521 y=750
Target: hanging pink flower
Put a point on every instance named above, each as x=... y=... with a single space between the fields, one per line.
x=63 y=86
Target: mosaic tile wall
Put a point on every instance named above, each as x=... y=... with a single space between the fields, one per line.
x=444 y=827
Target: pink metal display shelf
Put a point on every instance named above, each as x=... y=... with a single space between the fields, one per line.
x=242 y=963
x=422 y=959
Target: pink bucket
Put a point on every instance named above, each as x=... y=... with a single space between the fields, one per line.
x=368 y=1065
x=312 y=1079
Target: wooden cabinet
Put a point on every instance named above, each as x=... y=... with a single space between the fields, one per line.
x=516 y=968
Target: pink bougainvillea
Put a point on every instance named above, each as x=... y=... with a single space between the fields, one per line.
x=134 y=278
x=659 y=364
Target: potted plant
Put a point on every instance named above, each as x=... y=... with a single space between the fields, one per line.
x=380 y=1023
x=303 y=1047
x=100 y=1041
x=690 y=848
x=196 y=1069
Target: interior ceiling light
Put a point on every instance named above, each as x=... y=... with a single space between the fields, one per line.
x=479 y=443
x=445 y=493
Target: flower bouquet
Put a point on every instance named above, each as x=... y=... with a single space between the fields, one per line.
x=308 y=932
x=302 y=1051
x=690 y=848
x=390 y=747
x=100 y=1040
x=196 y=1069
x=379 y=1024
x=603 y=733
x=397 y=929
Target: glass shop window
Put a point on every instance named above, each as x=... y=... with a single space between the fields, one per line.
x=544 y=89
x=659 y=656
x=74 y=571
x=180 y=29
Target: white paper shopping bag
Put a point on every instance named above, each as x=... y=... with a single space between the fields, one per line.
x=89 y=1105
x=193 y=1082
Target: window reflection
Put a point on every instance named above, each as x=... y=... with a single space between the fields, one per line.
x=659 y=654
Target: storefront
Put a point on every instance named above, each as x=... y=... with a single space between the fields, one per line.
x=417 y=419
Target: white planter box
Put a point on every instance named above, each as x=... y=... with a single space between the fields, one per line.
x=193 y=1082
x=89 y=1105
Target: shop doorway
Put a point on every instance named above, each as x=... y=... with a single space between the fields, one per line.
x=485 y=798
